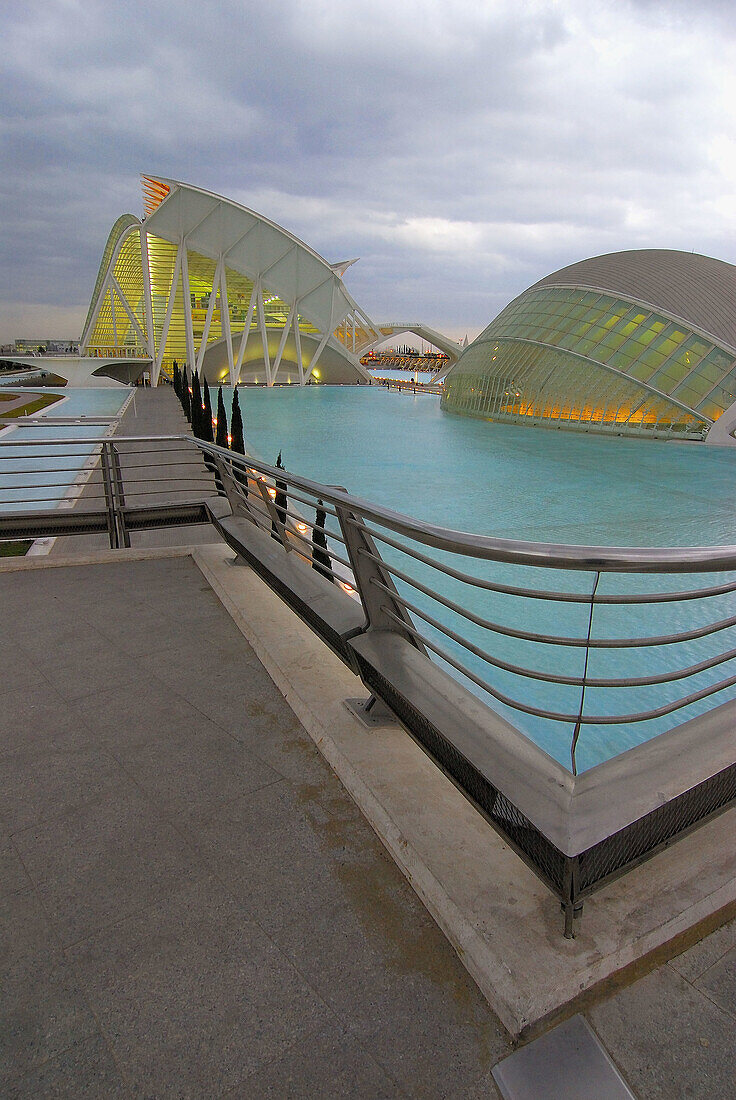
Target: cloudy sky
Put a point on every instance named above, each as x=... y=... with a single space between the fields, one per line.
x=461 y=149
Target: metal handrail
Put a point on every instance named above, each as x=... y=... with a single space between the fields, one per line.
x=690 y=559
x=366 y=521
x=362 y=518
x=554 y=639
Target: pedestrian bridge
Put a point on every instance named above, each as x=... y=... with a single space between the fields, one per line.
x=82 y=370
x=452 y=349
x=422 y=632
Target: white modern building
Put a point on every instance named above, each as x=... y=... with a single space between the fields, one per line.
x=205 y=281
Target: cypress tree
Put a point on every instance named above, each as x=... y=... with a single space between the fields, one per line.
x=237 y=441
x=207 y=434
x=221 y=436
x=186 y=401
x=280 y=500
x=236 y=427
x=321 y=560
x=196 y=406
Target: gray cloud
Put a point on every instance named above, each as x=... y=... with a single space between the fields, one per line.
x=461 y=150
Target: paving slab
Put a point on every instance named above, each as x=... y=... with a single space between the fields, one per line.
x=170 y=845
x=668 y=1040
x=568 y=1061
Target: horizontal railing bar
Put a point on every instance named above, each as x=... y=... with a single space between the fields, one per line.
x=552 y=639
x=313 y=504
x=44 y=485
x=131 y=491
x=499 y=695
x=93 y=451
x=477 y=620
x=330 y=534
x=57 y=498
x=469 y=578
x=590 y=720
x=541 y=594
x=52 y=470
x=155 y=465
x=203 y=479
x=556 y=678
x=497 y=662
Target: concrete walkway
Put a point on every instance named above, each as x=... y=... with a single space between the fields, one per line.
x=152 y=412
x=192 y=906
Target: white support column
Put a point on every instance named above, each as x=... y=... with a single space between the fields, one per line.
x=147 y=298
x=126 y=306
x=114 y=319
x=187 y=292
x=264 y=336
x=246 y=332
x=315 y=357
x=282 y=341
x=353 y=331
x=96 y=313
x=225 y=318
x=156 y=370
x=298 y=343
x=208 y=318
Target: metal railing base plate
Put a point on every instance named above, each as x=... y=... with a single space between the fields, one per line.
x=371 y=713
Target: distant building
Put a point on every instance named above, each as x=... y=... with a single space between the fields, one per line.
x=638 y=343
x=45 y=346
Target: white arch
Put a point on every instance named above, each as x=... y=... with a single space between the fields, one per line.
x=452 y=349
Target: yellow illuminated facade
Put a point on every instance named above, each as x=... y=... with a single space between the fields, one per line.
x=579 y=357
x=205 y=282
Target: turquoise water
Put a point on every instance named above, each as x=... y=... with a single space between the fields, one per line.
x=25 y=484
x=403 y=452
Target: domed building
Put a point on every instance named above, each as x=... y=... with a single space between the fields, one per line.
x=639 y=343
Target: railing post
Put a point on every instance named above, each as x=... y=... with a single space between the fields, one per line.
x=275 y=514
x=112 y=529
x=365 y=563
x=118 y=492
x=578 y=724
x=572 y=907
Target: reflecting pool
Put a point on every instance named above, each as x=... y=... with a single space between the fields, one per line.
x=26 y=483
x=402 y=451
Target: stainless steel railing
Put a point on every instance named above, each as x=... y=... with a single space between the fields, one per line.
x=63 y=486
x=588 y=650
x=619 y=645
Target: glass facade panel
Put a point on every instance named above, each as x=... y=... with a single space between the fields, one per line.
x=592 y=361
x=528 y=383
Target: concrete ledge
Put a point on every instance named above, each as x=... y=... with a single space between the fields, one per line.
x=504 y=924
x=95 y=557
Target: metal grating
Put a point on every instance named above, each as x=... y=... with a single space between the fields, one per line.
x=505 y=817
x=655 y=830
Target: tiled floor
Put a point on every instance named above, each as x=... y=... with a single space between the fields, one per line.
x=191 y=905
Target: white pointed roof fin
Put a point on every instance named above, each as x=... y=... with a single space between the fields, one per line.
x=465 y=341
x=342 y=265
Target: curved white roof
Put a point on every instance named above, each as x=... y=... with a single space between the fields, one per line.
x=699 y=290
x=251 y=245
